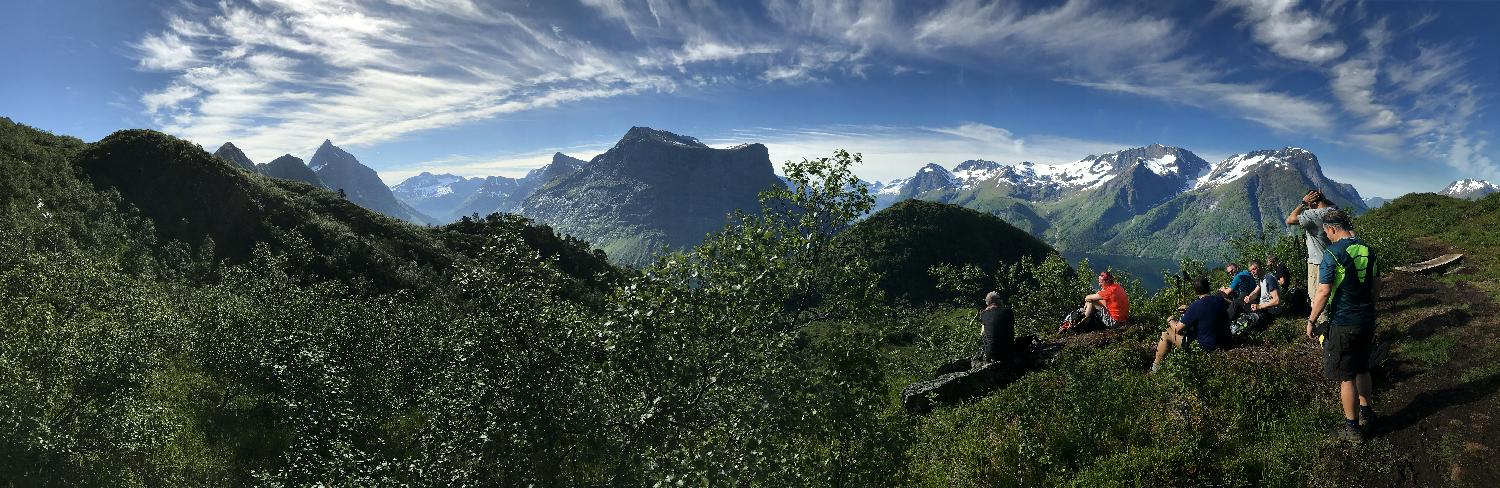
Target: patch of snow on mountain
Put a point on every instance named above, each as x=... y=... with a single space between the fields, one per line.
x=427 y=185
x=1087 y=172
x=892 y=188
x=1231 y=169
x=1167 y=164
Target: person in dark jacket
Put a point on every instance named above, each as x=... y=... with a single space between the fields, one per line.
x=997 y=331
x=1205 y=322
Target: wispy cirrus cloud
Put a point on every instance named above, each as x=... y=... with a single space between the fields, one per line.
x=1421 y=106
x=276 y=76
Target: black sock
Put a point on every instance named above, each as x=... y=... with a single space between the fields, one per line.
x=1352 y=423
x=1366 y=412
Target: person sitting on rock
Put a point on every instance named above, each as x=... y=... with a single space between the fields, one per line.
x=1205 y=323
x=1111 y=299
x=997 y=330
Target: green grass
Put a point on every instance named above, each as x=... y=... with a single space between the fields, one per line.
x=1431 y=351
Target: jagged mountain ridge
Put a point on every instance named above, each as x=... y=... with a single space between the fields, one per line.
x=1244 y=192
x=450 y=197
x=1154 y=201
x=653 y=191
x=341 y=171
x=438 y=195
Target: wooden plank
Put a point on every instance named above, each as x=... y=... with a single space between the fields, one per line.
x=1434 y=265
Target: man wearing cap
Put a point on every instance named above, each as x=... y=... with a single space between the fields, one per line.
x=1347 y=286
x=1112 y=299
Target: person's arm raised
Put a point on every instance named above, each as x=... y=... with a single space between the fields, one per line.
x=1291 y=219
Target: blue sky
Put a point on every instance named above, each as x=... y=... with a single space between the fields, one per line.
x=1392 y=96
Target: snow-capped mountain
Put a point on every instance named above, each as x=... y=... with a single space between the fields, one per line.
x=450 y=197
x=426 y=185
x=1038 y=182
x=1469 y=189
x=1152 y=201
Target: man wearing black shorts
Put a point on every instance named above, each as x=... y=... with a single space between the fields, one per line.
x=1348 y=283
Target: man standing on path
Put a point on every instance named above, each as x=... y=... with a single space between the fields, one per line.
x=1309 y=217
x=1348 y=283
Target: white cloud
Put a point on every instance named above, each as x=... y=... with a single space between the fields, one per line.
x=1290 y=32
x=1078 y=31
x=713 y=51
x=168 y=98
x=1353 y=82
x=164 y=52
x=1186 y=83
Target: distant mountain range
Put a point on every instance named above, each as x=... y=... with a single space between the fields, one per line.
x=1154 y=201
x=335 y=169
x=449 y=197
x=657 y=191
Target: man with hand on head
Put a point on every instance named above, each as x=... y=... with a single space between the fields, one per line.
x=1308 y=216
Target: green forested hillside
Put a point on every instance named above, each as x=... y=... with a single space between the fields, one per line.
x=904 y=242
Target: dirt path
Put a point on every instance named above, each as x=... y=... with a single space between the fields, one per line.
x=1440 y=399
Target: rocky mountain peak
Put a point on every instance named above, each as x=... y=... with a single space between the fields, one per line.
x=328 y=153
x=647 y=134
x=229 y=152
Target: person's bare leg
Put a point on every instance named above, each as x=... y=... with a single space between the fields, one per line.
x=1347 y=397
x=1161 y=346
x=1088 y=308
x=1362 y=382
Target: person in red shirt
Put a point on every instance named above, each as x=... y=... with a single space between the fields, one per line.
x=1111 y=298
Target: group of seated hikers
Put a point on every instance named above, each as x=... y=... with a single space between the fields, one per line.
x=1343 y=286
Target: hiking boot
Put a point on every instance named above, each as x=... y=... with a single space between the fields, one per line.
x=1367 y=420
x=1348 y=434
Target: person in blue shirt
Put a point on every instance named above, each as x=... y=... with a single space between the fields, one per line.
x=1241 y=283
x=1348 y=285
x=1205 y=322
